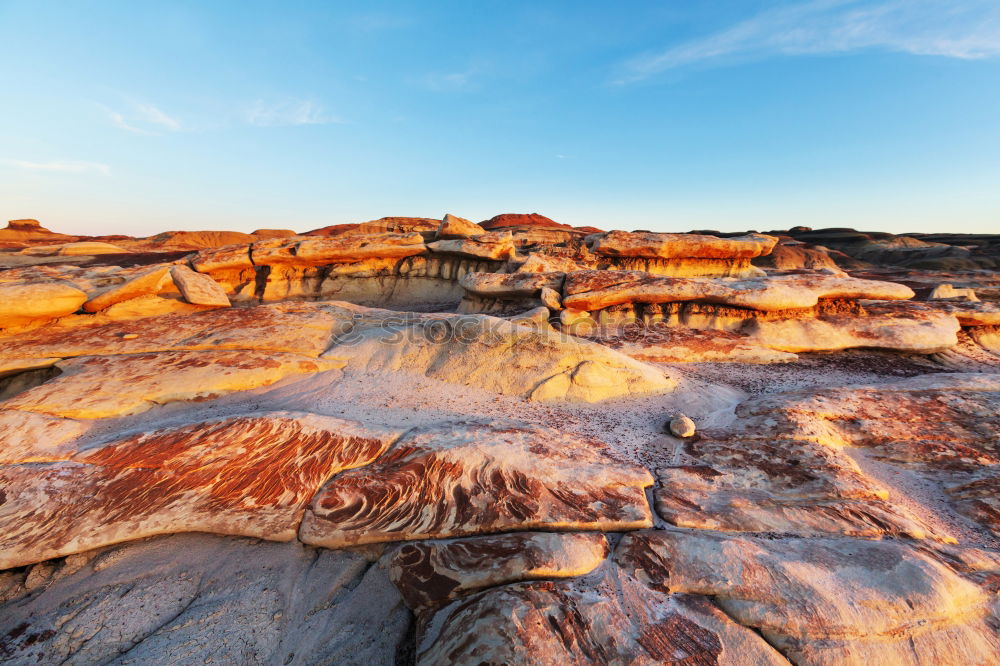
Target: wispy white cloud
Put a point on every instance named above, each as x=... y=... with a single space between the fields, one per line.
x=156 y=116
x=65 y=166
x=969 y=29
x=118 y=120
x=288 y=112
x=142 y=118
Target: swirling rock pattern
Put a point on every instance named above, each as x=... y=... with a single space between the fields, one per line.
x=432 y=572
x=247 y=475
x=463 y=479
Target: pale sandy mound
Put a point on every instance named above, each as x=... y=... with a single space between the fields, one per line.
x=499 y=356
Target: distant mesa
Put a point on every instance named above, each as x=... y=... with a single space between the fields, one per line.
x=28 y=230
x=521 y=220
x=273 y=233
x=508 y=220
x=26 y=225
x=194 y=240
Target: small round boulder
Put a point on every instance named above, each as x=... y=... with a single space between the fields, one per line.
x=681 y=426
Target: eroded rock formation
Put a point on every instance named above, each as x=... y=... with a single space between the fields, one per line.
x=433 y=441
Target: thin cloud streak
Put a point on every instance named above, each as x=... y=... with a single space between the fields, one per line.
x=64 y=166
x=917 y=27
x=118 y=120
x=288 y=113
x=158 y=117
x=142 y=114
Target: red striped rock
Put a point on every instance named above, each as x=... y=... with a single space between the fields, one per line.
x=788 y=465
x=979 y=500
x=826 y=601
x=780 y=485
x=612 y=620
x=430 y=573
x=105 y=386
x=463 y=479
x=940 y=422
x=247 y=475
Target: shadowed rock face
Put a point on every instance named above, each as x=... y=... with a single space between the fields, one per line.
x=196 y=598
x=247 y=475
x=942 y=251
x=473 y=479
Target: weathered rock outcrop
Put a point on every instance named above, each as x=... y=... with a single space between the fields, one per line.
x=825 y=601
x=463 y=479
x=25 y=303
x=247 y=475
x=614 y=620
x=595 y=290
x=458 y=227
x=680 y=246
x=463 y=350
x=148 y=282
x=106 y=386
x=836 y=508
x=432 y=573
x=300 y=328
x=198 y=289
x=787 y=464
x=926 y=334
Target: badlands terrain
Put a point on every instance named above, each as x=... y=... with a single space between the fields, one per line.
x=442 y=442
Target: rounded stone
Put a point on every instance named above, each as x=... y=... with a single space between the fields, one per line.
x=682 y=426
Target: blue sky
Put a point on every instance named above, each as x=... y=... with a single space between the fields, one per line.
x=135 y=117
